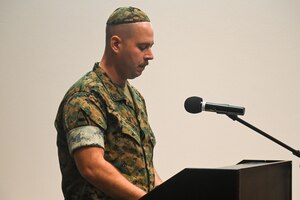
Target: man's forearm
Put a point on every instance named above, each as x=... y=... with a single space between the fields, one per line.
x=104 y=176
x=113 y=183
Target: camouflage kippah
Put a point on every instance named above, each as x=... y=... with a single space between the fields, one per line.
x=125 y=15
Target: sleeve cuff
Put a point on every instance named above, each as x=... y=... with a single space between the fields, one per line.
x=85 y=136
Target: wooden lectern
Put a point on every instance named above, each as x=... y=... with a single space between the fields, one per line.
x=248 y=180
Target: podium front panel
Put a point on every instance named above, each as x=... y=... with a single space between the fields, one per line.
x=248 y=180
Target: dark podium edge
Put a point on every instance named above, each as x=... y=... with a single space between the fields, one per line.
x=192 y=189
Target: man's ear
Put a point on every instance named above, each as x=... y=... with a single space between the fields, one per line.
x=115 y=43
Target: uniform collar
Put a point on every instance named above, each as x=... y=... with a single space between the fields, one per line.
x=116 y=92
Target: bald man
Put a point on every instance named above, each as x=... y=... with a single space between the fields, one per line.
x=105 y=143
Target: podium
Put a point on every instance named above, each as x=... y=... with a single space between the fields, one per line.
x=247 y=180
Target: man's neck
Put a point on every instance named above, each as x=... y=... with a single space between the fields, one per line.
x=112 y=73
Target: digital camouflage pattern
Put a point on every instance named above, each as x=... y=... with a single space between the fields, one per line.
x=125 y=15
x=95 y=102
x=85 y=136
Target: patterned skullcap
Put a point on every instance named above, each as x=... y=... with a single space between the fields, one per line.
x=125 y=15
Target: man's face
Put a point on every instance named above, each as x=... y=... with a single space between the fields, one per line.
x=135 y=51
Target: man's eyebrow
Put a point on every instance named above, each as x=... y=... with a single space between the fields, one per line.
x=147 y=43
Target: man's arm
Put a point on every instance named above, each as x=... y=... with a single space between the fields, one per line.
x=95 y=169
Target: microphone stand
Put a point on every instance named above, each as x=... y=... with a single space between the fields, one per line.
x=236 y=118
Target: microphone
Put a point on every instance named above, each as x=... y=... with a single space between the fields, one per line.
x=196 y=105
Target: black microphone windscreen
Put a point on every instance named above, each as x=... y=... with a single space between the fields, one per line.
x=193 y=104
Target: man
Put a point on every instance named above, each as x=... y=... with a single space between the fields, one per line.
x=105 y=143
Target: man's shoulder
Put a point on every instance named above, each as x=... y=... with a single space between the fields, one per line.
x=87 y=84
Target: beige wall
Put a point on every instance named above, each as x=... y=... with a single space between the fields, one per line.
x=238 y=52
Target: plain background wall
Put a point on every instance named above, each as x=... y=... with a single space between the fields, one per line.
x=237 y=52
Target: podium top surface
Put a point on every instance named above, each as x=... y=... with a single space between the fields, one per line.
x=253 y=163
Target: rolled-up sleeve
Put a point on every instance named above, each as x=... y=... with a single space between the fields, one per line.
x=85 y=136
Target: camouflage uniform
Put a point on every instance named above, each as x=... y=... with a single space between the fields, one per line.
x=95 y=112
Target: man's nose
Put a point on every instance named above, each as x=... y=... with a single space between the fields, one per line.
x=149 y=54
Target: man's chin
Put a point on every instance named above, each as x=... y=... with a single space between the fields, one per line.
x=139 y=71
x=135 y=75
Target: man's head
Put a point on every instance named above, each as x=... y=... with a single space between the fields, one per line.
x=129 y=38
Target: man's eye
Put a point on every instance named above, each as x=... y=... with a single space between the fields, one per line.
x=143 y=47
